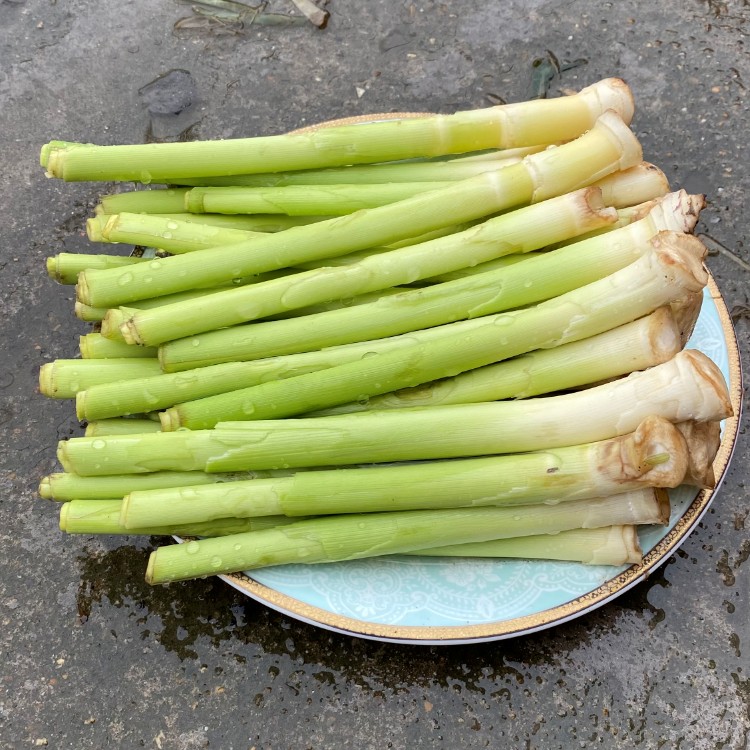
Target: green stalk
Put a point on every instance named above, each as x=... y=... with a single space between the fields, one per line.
x=161 y=391
x=102 y=517
x=677 y=212
x=689 y=386
x=170 y=235
x=98 y=314
x=63 y=378
x=543 y=277
x=353 y=537
x=183 y=236
x=65 y=267
x=571 y=473
x=145 y=201
x=519 y=231
x=643 y=343
x=673 y=265
x=608 y=146
x=66 y=486
x=367 y=174
x=95 y=346
x=259 y=223
x=608 y=545
x=89 y=314
x=239 y=344
x=302 y=200
x=507 y=126
x=121 y=427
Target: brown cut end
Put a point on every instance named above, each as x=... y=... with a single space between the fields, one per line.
x=703 y=440
x=678 y=211
x=716 y=404
x=661 y=452
x=655 y=455
x=664 y=505
x=631 y=544
x=686 y=311
x=682 y=255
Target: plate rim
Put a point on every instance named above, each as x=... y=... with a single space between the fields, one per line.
x=559 y=614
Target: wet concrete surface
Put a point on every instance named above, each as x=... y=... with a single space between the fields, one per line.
x=91 y=656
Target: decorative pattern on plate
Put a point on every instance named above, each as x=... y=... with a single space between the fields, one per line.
x=408 y=599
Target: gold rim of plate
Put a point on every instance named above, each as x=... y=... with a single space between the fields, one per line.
x=547 y=618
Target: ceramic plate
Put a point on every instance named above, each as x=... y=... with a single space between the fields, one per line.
x=439 y=601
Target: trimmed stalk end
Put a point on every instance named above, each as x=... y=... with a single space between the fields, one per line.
x=81 y=406
x=54 y=162
x=703 y=440
x=632 y=545
x=170 y=420
x=46 y=379
x=664 y=506
x=52 y=271
x=661 y=453
x=686 y=311
x=62 y=455
x=108 y=225
x=655 y=455
x=618 y=130
x=94 y=229
x=45 y=488
x=621 y=547
x=44 y=154
x=150 y=569
x=64 y=508
x=678 y=211
x=111 y=324
x=84 y=347
x=82 y=289
x=681 y=256
x=610 y=93
x=709 y=381
x=129 y=331
x=124 y=508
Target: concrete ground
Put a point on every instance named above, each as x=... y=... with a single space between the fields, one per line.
x=91 y=656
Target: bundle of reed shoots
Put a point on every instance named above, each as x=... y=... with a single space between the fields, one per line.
x=453 y=335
